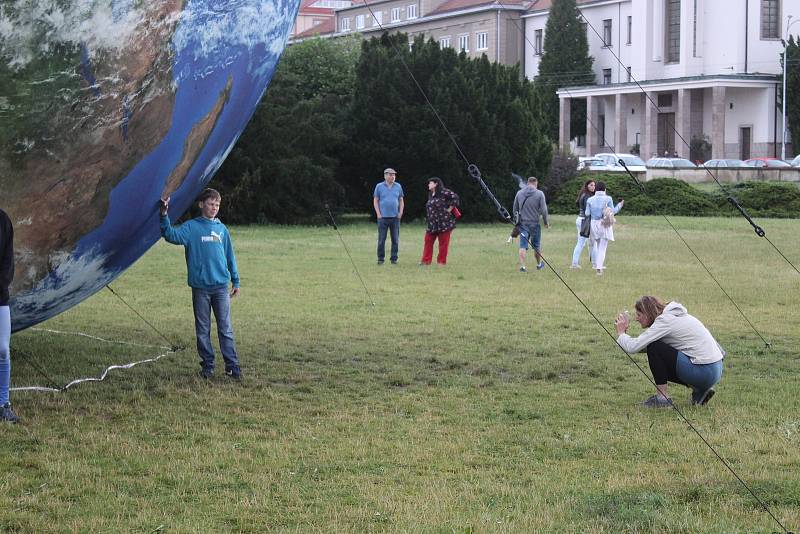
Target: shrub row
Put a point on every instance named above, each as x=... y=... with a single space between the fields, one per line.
x=667 y=196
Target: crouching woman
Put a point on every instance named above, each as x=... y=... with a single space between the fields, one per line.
x=679 y=349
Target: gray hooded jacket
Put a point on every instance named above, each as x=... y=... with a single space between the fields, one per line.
x=532 y=203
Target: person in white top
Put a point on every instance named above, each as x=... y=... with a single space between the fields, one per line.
x=601 y=209
x=679 y=349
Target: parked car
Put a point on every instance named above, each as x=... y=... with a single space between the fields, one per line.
x=773 y=163
x=796 y=161
x=592 y=164
x=634 y=163
x=723 y=163
x=670 y=163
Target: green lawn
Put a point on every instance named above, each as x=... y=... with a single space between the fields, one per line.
x=471 y=398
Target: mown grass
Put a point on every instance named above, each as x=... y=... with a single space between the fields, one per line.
x=471 y=398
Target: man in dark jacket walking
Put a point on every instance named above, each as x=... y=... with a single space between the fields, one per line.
x=529 y=206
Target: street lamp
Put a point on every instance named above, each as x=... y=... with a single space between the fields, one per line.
x=783 y=95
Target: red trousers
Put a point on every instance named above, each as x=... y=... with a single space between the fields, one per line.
x=444 y=245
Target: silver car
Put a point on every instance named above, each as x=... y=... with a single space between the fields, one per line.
x=724 y=163
x=773 y=163
x=670 y=163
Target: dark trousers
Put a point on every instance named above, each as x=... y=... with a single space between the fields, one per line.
x=392 y=225
x=663 y=361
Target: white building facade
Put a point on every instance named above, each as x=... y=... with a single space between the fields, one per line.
x=668 y=71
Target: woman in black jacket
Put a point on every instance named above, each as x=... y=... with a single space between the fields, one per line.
x=6 y=276
x=441 y=210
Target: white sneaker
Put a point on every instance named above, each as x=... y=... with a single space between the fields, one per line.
x=574 y=266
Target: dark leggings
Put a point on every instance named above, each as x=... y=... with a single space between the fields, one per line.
x=663 y=361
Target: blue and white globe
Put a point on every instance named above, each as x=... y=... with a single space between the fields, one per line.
x=104 y=108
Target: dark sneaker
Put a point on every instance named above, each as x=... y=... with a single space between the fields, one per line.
x=657 y=401
x=394 y=262
x=701 y=398
x=206 y=373
x=523 y=270
x=7 y=414
x=380 y=262
x=540 y=265
x=235 y=374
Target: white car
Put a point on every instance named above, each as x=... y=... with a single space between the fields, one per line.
x=796 y=162
x=592 y=164
x=634 y=163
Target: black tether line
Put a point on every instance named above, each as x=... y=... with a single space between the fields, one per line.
x=52 y=383
x=621 y=162
x=714 y=278
x=30 y=361
x=173 y=346
x=346 y=249
x=473 y=168
x=758 y=230
x=672 y=404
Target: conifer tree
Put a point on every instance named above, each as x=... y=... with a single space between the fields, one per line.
x=491 y=110
x=284 y=166
x=565 y=63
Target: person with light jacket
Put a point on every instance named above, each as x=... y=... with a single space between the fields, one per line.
x=679 y=348
x=602 y=232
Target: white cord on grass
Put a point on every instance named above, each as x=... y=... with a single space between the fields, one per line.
x=168 y=351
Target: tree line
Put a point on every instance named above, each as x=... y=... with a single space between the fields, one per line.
x=339 y=111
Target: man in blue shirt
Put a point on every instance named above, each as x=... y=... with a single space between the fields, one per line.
x=211 y=266
x=388 y=203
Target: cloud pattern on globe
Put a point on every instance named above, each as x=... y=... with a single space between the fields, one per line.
x=104 y=108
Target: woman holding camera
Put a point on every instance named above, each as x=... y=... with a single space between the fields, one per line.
x=679 y=348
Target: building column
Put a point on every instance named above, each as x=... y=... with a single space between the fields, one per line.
x=592 y=135
x=564 y=118
x=683 y=123
x=649 y=127
x=718 y=123
x=620 y=123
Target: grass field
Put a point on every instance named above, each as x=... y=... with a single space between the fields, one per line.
x=471 y=398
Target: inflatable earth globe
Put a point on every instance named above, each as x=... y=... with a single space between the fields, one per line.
x=106 y=106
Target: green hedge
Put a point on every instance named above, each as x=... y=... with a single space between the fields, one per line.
x=667 y=196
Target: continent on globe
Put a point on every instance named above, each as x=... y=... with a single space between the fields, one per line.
x=106 y=106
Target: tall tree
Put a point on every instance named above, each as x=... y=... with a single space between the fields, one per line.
x=491 y=111
x=565 y=62
x=284 y=168
x=793 y=91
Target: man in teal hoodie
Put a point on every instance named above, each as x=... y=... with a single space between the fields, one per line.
x=211 y=266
